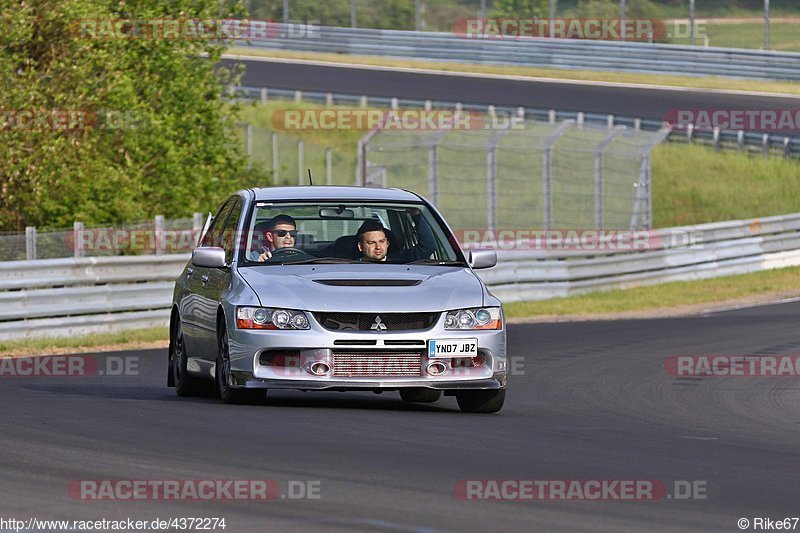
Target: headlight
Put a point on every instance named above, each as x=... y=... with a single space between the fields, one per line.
x=476 y=318
x=266 y=318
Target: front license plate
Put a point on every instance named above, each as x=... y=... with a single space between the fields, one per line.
x=452 y=348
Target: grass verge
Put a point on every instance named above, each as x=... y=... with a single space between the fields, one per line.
x=135 y=339
x=532 y=72
x=677 y=296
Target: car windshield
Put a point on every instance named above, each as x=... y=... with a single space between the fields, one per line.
x=281 y=233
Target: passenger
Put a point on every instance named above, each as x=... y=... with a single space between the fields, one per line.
x=279 y=232
x=374 y=241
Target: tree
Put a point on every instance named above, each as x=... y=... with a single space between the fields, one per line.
x=123 y=128
x=521 y=8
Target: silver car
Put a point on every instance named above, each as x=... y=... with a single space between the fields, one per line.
x=336 y=288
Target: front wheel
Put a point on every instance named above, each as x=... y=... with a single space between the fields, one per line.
x=222 y=377
x=481 y=401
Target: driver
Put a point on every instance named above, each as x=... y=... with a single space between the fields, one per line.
x=279 y=232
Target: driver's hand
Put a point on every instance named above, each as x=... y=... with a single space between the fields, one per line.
x=264 y=256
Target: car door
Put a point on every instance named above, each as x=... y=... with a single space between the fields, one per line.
x=215 y=283
x=193 y=308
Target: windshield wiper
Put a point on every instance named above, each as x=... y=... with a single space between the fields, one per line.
x=439 y=262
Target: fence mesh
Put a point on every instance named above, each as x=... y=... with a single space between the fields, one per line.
x=534 y=175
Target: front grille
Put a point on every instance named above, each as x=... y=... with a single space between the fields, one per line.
x=371 y=364
x=370 y=321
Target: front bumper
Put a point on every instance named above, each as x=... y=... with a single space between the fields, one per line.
x=317 y=344
x=494 y=383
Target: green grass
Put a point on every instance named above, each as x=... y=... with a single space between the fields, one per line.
x=666 y=295
x=784 y=36
x=693 y=184
x=129 y=338
x=580 y=75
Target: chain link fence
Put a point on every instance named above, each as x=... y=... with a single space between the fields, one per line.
x=535 y=175
x=157 y=236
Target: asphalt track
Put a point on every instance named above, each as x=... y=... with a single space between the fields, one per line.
x=646 y=103
x=587 y=401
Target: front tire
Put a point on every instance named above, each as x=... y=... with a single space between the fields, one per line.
x=185 y=383
x=481 y=401
x=222 y=377
x=415 y=395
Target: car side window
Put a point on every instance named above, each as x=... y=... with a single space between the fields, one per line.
x=231 y=230
x=213 y=236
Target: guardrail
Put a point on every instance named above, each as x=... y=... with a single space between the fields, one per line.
x=76 y=296
x=715 y=249
x=742 y=141
x=542 y=52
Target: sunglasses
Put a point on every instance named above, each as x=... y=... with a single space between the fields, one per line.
x=283 y=232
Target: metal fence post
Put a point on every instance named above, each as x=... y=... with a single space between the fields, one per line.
x=77 y=238
x=159 y=234
x=765 y=145
x=599 y=158
x=30 y=243
x=328 y=166
x=433 y=172
x=263 y=95
x=249 y=128
x=274 y=158
x=300 y=163
x=491 y=177
x=547 y=171
x=197 y=227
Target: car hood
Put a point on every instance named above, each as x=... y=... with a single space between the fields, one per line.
x=365 y=287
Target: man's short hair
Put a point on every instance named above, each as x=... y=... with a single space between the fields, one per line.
x=279 y=219
x=371 y=225
x=262 y=226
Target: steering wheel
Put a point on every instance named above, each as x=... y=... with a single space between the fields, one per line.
x=288 y=253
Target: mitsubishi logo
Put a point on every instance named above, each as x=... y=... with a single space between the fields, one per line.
x=378 y=325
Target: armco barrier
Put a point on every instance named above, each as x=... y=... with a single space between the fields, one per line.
x=722 y=248
x=75 y=296
x=543 y=52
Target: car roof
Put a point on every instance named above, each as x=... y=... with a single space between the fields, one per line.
x=332 y=193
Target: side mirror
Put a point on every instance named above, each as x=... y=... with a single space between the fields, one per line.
x=209 y=257
x=482 y=258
